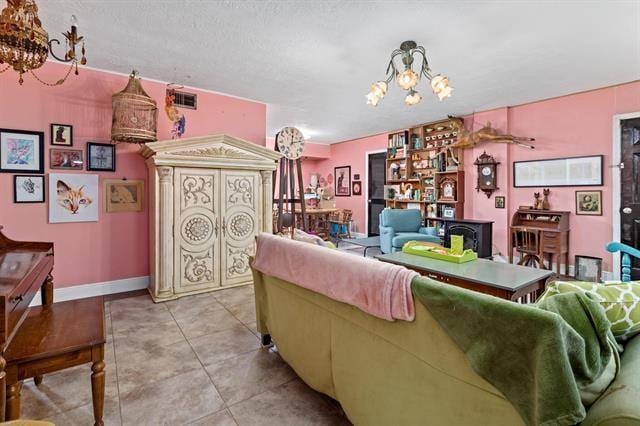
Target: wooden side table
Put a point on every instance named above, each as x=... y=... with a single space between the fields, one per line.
x=53 y=338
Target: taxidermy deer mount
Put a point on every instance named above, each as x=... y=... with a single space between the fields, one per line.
x=467 y=139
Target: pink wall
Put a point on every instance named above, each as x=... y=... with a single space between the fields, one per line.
x=116 y=246
x=352 y=153
x=579 y=124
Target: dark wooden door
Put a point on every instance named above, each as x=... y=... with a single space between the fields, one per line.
x=630 y=185
x=375 y=196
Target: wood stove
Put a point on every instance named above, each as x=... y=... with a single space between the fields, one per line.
x=478 y=234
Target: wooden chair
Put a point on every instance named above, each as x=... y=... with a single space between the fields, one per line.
x=527 y=243
x=339 y=223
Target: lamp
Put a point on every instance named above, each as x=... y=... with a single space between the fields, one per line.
x=25 y=44
x=409 y=79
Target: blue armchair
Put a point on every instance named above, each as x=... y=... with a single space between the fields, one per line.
x=398 y=226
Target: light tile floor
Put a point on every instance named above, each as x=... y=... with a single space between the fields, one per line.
x=195 y=361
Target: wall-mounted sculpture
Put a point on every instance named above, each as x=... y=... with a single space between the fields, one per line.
x=468 y=139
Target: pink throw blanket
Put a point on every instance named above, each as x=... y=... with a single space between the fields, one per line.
x=378 y=288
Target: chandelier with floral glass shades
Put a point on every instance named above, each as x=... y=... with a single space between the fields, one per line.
x=408 y=79
x=25 y=44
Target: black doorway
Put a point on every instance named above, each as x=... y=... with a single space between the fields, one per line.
x=630 y=189
x=375 y=191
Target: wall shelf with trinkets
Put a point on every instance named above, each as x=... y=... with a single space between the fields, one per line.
x=418 y=161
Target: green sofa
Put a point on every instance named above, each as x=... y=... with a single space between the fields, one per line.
x=402 y=373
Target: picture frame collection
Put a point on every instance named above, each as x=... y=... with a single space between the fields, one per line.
x=22 y=152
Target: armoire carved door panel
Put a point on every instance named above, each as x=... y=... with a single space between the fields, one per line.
x=196 y=229
x=240 y=200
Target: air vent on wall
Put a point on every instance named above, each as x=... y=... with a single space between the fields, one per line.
x=185 y=100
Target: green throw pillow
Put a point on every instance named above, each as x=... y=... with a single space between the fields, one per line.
x=621 y=302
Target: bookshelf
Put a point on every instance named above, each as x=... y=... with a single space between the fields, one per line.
x=423 y=172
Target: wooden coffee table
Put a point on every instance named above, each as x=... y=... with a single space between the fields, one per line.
x=511 y=282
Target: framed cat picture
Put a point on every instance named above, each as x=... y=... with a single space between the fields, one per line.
x=73 y=198
x=123 y=195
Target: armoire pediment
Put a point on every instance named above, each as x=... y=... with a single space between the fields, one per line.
x=210 y=151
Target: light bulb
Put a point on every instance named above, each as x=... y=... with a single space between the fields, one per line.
x=74 y=21
x=412 y=98
x=439 y=83
x=379 y=88
x=407 y=79
x=445 y=93
x=372 y=99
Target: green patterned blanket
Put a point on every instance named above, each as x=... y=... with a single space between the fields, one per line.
x=547 y=360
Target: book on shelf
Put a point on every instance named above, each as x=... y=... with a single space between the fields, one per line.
x=397 y=140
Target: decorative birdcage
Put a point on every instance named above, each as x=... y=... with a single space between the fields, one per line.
x=135 y=114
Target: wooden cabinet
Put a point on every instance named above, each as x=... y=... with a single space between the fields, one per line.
x=210 y=197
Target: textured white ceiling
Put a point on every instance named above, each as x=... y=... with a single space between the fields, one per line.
x=312 y=61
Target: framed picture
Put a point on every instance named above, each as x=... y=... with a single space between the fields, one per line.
x=21 y=151
x=589 y=203
x=448 y=212
x=61 y=134
x=588 y=268
x=123 y=195
x=67 y=159
x=500 y=202
x=28 y=189
x=343 y=181
x=73 y=197
x=570 y=171
x=101 y=157
x=356 y=188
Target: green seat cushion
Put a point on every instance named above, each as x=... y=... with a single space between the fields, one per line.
x=621 y=302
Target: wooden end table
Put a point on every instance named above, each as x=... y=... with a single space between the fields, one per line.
x=53 y=338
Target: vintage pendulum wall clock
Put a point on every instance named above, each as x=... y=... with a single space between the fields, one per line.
x=487 y=174
x=290 y=142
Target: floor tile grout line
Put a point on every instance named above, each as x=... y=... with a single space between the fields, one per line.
x=241 y=322
x=224 y=403
x=225 y=408
x=115 y=362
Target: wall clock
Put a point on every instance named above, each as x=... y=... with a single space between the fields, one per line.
x=487 y=174
x=290 y=142
x=447 y=189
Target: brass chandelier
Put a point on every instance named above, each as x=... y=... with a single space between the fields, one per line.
x=409 y=79
x=25 y=44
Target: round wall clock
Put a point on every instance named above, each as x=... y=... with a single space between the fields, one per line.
x=290 y=142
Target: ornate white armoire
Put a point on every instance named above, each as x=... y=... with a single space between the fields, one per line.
x=209 y=197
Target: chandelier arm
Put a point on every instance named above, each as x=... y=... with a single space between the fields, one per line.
x=56 y=41
x=392 y=64
x=57 y=83
x=424 y=70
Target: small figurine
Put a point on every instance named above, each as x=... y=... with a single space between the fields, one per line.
x=545 y=201
x=408 y=191
x=537 y=204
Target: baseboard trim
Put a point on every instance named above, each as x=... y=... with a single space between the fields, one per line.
x=95 y=289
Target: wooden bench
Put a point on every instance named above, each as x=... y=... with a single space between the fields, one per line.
x=53 y=338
